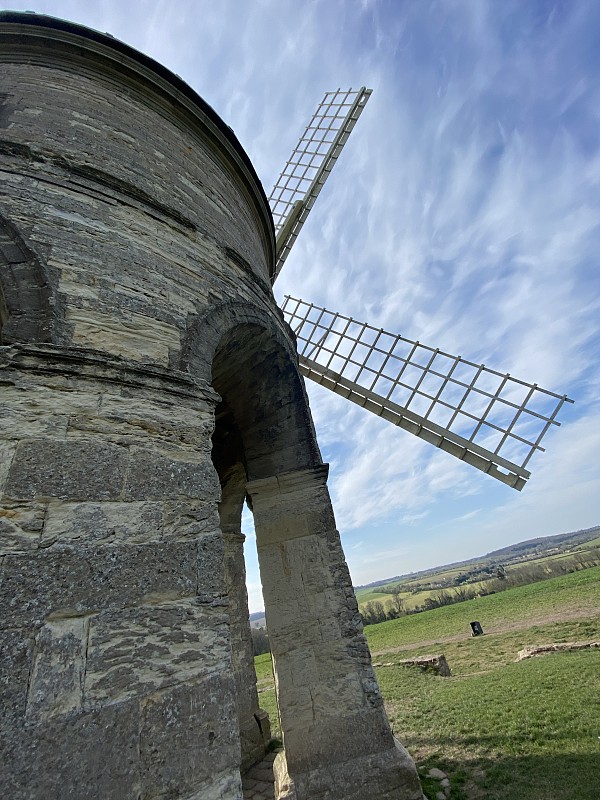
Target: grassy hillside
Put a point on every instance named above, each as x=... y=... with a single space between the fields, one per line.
x=555 y=597
x=366 y=595
x=524 y=563
x=501 y=730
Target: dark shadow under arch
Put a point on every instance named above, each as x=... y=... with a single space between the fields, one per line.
x=248 y=356
x=25 y=295
x=260 y=385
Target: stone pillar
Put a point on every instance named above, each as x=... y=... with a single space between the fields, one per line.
x=337 y=739
x=115 y=655
x=255 y=730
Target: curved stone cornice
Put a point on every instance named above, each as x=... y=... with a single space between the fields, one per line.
x=38 y=38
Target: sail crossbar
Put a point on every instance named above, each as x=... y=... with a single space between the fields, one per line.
x=487 y=418
x=309 y=166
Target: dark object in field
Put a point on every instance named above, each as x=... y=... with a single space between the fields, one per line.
x=476 y=629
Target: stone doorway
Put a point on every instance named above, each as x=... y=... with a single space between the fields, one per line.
x=336 y=737
x=228 y=458
x=261 y=428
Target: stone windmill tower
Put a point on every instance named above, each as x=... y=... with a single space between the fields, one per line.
x=149 y=386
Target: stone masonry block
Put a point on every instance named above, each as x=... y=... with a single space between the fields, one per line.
x=134 y=336
x=154 y=475
x=103 y=523
x=145 y=417
x=21 y=526
x=16 y=647
x=28 y=413
x=7 y=452
x=70 y=582
x=138 y=651
x=211 y=572
x=365 y=732
x=92 y=755
x=386 y=775
x=189 y=518
x=75 y=469
x=188 y=735
x=56 y=682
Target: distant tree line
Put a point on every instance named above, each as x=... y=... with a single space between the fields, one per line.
x=260 y=641
x=500 y=579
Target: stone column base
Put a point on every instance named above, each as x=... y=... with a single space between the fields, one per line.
x=385 y=776
x=255 y=735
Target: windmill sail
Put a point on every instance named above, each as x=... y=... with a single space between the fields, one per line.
x=489 y=419
x=310 y=164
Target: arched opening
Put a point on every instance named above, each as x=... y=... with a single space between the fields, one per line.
x=337 y=740
x=228 y=458
x=262 y=391
x=262 y=429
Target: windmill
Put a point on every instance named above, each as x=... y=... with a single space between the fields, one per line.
x=491 y=420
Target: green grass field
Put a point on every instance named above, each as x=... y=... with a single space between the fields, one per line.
x=367 y=595
x=501 y=730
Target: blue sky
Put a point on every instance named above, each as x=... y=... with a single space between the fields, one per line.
x=464 y=212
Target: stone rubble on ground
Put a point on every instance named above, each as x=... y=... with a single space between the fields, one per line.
x=532 y=650
x=437 y=775
x=436 y=664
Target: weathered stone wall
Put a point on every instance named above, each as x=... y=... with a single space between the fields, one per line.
x=130 y=201
x=115 y=638
x=124 y=217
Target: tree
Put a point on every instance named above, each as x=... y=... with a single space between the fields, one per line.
x=397 y=602
x=373 y=612
x=260 y=641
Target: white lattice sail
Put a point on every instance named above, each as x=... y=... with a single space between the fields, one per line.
x=310 y=164
x=489 y=419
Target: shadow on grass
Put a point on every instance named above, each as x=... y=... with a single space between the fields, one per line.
x=502 y=741
x=565 y=776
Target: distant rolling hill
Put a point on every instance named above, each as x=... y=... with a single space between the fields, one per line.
x=513 y=553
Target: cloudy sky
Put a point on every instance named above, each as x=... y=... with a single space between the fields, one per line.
x=464 y=212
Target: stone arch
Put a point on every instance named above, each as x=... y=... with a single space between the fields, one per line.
x=25 y=296
x=262 y=428
x=239 y=346
x=335 y=733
